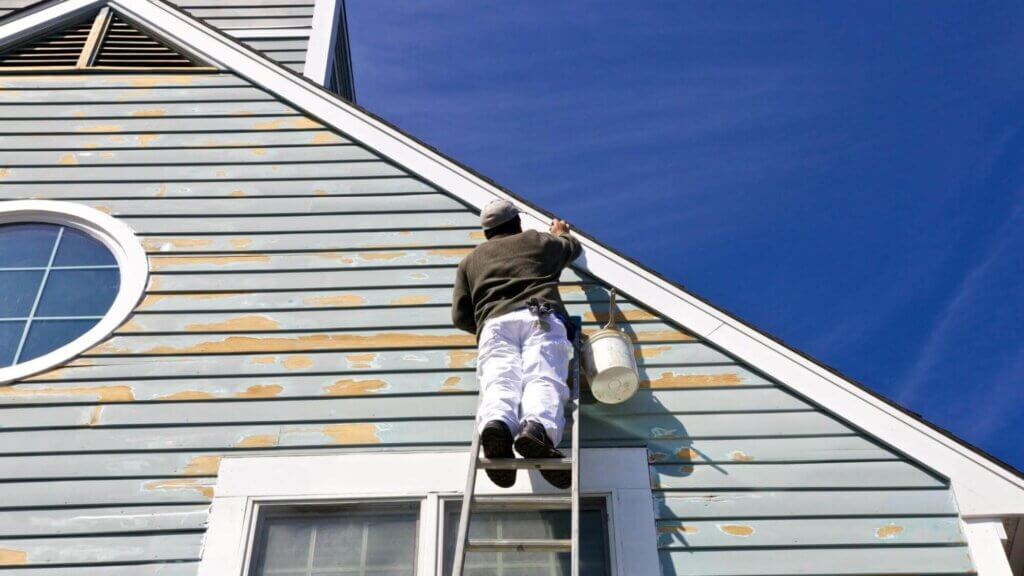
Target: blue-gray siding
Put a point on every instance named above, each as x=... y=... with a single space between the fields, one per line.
x=299 y=301
x=294 y=19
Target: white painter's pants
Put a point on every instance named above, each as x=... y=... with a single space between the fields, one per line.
x=522 y=371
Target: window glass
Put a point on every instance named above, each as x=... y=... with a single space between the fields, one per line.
x=364 y=540
x=79 y=292
x=10 y=335
x=529 y=525
x=79 y=249
x=32 y=244
x=56 y=282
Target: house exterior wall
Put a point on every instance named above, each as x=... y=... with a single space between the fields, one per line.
x=298 y=301
x=8 y=6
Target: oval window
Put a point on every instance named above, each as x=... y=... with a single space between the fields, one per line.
x=57 y=282
x=69 y=276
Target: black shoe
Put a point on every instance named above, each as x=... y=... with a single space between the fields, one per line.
x=533 y=442
x=496 y=441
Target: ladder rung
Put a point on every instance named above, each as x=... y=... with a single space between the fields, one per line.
x=519 y=545
x=525 y=463
x=525 y=501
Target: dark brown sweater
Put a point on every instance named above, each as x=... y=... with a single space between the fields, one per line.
x=503 y=273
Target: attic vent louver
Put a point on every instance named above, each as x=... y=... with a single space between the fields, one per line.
x=103 y=42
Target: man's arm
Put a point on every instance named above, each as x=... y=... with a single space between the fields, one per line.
x=560 y=229
x=463 y=313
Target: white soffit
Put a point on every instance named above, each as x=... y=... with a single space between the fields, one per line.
x=983 y=487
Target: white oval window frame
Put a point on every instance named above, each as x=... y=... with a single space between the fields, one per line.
x=132 y=264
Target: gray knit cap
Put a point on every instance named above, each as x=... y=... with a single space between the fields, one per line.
x=497 y=213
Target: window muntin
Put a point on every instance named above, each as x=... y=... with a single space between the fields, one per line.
x=352 y=540
x=56 y=283
x=494 y=523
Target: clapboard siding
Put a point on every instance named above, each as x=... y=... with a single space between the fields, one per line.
x=293 y=20
x=299 y=301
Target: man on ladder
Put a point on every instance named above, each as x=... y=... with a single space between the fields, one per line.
x=506 y=292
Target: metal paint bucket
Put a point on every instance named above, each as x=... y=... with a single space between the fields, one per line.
x=609 y=362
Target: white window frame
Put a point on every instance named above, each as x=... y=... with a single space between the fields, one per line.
x=117 y=237
x=244 y=483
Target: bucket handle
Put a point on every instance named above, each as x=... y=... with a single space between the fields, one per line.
x=612 y=310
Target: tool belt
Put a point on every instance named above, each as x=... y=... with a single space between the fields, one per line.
x=544 y=309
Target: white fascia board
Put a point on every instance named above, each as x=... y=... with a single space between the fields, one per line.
x=320 y=53
x=983 y=488
x=30 y=24
x=985 y=538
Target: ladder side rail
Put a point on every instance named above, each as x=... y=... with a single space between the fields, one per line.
x=577 y=421
x=467 y=502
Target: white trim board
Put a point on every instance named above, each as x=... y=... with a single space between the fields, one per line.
x=985 y=538
x=620 y=475
x=983 y=488
x=320 y=53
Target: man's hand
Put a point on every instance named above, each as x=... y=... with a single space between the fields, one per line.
x=559 y=227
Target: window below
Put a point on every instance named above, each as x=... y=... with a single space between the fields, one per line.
x=56 y=282
x=357 y=540
x=366 y=513
x=69 y=275
x=495 y=523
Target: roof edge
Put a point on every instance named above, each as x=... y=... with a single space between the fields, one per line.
x=984 y=487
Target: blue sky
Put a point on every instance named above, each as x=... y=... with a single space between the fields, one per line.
x=848 y=176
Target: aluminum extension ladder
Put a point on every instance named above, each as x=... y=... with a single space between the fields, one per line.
x=527 y=502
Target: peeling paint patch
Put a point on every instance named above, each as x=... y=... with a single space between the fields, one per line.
x=349 y=387
x=687 y=454
x=184 y=243
x=888 y=532
x=477 y=235
x=221 y=173
x=12 y=557
x=240 y=243
x=739 y=530
x=740 y=456
x=180 y=484
x=258 y=151
x=202 y=466
x=5 y=172
x=622 y=316
x=97 y=393
x=237 y=194
x=253 y=323
x=344 y=300
x=264 y=360
x=307 y=343
x=94 y=418
x=145 y=140
x=672 y=380
x=99 y=129
x=650 y=353
x=161 y=263
x=304 y=123
x=410 y=300
x=152 y=299
x=336 y=256
x=349 y=434
x=297 y=362
x=261 y=391
x=257 y=441
x=187 y=395
x=360 y=361
x=451 y=384
x=68 y=160
x=269 y=125
x=461 y=358
x=325 y=138
x=678 y=529
x=381 y=255
x=154 y=113
x=450 y=252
